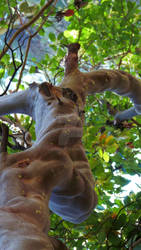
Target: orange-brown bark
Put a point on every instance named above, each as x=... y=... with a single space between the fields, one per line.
x=54 y=173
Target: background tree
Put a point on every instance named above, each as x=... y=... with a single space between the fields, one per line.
x=109 y=34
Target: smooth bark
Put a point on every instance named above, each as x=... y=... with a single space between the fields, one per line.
x=54 y=173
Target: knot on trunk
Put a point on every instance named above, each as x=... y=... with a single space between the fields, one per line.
x=69 y=93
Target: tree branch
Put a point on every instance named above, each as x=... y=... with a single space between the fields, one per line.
x=28 y=46
x=25 y=26
x=137 y=123
x=16 y=67
x=120 y=82
x=26 y=137
x=4 y=140
x=24 y=63
x=135 y=244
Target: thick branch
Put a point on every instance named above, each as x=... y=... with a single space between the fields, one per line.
x=84 y=84
x=71 y=62
x=119 y=82
x=19 y=102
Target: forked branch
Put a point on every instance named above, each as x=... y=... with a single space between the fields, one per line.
x=84 y=84
x=25 y=26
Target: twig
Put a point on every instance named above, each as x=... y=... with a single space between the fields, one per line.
x=135 y=244
x=137 y=123
x=24 y=63
x=26 y=135
x=124 y=207
x=16 y=124
x=26 y=55
x=15 y=71
x=54 y=80
x=9 y=7
x=16 y=68
x=22 y=41
x=17 y=146
x=28 y=46
x=25 y=26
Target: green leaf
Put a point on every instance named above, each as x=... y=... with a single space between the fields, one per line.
x=114 y=239
x=41 y=32
x=61 y=52
x=24 y=7
x=59 y=37
x=127 y=200
x=121 y=180
x=5 y=59
x=119 y=222
x=100 y=153
x=42 y=2
x=32 y=69
x=2 y=71
x=52 y=36
x=106 y=30
x=106 y=157
x=138 y=195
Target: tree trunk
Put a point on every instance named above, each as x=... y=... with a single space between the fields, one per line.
x=55 y=168
x=54 y=173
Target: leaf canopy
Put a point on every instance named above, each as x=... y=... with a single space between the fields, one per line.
x=109 y=33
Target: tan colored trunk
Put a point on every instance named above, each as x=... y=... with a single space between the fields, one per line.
x=54 y=173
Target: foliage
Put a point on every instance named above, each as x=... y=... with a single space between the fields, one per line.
x=109 y=33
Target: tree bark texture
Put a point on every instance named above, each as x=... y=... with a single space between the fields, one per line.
x=54 y=173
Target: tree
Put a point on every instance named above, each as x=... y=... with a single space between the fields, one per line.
x=55 y=169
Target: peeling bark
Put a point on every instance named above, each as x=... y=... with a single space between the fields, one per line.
x=54 y=173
